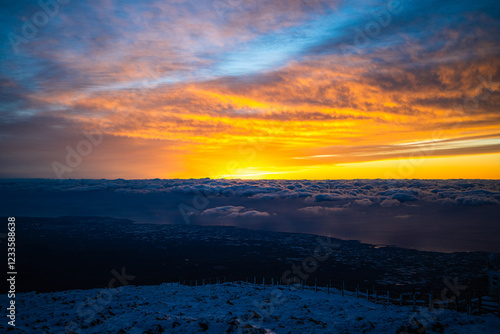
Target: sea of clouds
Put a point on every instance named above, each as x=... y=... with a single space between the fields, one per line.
x=384 y=193
x=442 y=215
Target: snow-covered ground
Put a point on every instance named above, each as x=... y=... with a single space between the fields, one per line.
x=227 y=308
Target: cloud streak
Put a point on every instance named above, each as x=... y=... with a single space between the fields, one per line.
x=207 y=78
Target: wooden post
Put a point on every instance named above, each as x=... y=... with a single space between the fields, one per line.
x=469 y=304
x=499 y=304
x=473 y=295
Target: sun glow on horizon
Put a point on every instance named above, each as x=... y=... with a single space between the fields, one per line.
x=273 y=89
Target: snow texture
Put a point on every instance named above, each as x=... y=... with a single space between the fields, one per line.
x=229 y=308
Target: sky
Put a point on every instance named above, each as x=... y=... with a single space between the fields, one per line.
x=283 y=89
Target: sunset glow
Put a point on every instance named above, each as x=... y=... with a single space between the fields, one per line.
x=253 y=89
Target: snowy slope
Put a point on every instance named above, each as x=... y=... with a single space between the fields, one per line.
x=226 y=308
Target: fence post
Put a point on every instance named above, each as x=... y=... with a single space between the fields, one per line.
x=498 y=304
x=472 y=303
x=468 y=303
